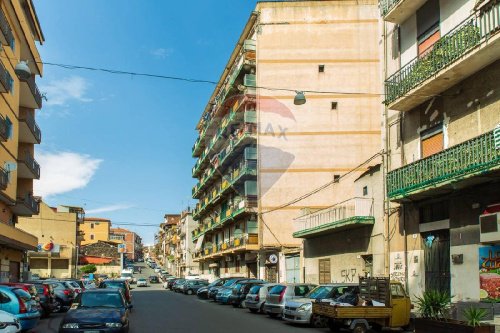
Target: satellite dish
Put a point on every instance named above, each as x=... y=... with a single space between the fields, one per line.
x=22 y=70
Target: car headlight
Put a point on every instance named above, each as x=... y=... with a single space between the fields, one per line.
x=305 y=307
x=114 y=325
x=70 y=325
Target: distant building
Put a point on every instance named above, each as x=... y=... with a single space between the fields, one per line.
x=100 y=253
x=185 y=247
x=132 y=241
x=95 y=229
x=57 y=230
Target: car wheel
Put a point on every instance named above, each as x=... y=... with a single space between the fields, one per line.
x=189 y=292
x=253 y=310
x=59 y=307
x=359 y=328
x=318 y=321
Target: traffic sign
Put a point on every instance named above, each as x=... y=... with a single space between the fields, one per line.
x=121 y=248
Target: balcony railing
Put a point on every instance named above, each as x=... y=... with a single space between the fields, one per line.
x=5 y=79
x=33 y=127
x=4 y=179
x=448 y=49
x=347 y=214
x=29 y=202
x=387 y=5
x=34 y=91
x=473 y=157
x=32 y=164
x=4 y=129
x=8 y=36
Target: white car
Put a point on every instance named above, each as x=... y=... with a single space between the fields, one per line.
x=9 y=323
x=157 y=270
x=142 y=282
x=129 y=277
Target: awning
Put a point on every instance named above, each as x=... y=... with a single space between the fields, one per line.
x=199 y=242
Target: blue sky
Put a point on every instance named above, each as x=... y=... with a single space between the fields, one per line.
x=120 y=146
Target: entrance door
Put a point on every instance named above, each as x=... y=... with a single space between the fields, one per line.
x=272 y=274
x=325 y=274
x=292 y=265
x=437 y=260
x=252 y=270
x=15 y=268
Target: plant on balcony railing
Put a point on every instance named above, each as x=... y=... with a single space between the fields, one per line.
x=387 y=5
x=476 y=155
x=444 y=52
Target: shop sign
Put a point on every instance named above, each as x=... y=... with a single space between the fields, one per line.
x=122 y=248
x=49 y=247
x=489 y=273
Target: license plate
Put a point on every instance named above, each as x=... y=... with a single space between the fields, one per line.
x=91 y=331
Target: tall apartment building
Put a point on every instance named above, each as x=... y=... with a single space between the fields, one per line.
x=19 y=98
x=168 y=241
x=95 y=229
x=185 y=248
x=257 y=151
x=443 y=134
x=57 y=230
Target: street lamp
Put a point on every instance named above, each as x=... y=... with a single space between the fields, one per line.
x=300 y=98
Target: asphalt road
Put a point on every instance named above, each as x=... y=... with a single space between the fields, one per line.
x=159 y=310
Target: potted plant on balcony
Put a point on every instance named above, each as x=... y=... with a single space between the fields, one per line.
x=433 y=307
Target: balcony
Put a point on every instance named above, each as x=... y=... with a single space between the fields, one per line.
x=28 y=167
x=469 y=47
x=26 y=206
x=6 y=80
x=346 y=215
x=468 y=163
x=17 y=238
x=233 y=245
x=4 y=179
x=6 y=37
x=397 y=11
x=4 y=129
x=30 y=95
x=29 y=132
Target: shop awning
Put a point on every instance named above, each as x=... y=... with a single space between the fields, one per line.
x=199 y=243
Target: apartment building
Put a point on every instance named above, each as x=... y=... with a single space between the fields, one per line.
x=20 y=63
x=95 y=229
x=185 y=248
x=168 y=241
x=260 y=147
x=443 y=134
x=132 y=241
x=57 y=230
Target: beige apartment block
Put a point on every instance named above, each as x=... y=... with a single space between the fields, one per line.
x=20 y=32
x=443 y=126
x=258 y=152
x=58 y=240
x=95 y=229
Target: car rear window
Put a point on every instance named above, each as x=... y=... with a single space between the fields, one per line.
x=301 y=290
x=276 y=290
x=254 y=290
x=22 y=294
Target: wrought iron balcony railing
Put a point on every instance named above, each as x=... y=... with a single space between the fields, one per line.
x=4 y=179
x=32 y=164
x=476 y=156
x=33 y=126
x=4 y=129
x=37 y=95
x=447 y=50
x=6 y=30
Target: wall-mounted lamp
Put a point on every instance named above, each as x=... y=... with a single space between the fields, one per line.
x=22 y=70
x=300 y=98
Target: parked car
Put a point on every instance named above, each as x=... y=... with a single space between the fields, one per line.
x=226 y=282
x=142 y=282
x=118 y=284
x=47 y=298
x=178 y=285
x=63 y=292
x=279 y=294
x=127 y=275
x=170 y=283
x=30 y=289
x=98 y=311
x=192 y=286
x=157 y=269
x=299 y=310
x=193 y=277
x=154 y=279
x=76 y=285
x=9 y=323
x=256 y=297
x=227 y=290
x=240 y=290
x=19 y=303
x=89 y=284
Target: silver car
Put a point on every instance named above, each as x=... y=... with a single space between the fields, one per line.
x=299 y=310
x=279 y=294
x=256 y=297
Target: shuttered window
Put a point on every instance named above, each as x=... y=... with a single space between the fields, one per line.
x=432 y=144
x=324 y=271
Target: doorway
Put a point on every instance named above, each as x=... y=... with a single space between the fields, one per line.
x=272 y=274
x=292 y=265
x=437 y=260
x=252 y=270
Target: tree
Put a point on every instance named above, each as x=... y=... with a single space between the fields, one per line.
x=87 y=269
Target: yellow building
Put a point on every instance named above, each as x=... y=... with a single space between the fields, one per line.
x=58 y=239
x=19 y=98
x=95 y=229
x=258 y=150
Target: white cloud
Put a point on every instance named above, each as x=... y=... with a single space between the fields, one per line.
x=72 y=88
x=110 y=208
x=63 y=172
x=161 y=53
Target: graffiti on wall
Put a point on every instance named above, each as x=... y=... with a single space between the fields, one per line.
x=348 y=274
x=397 y=267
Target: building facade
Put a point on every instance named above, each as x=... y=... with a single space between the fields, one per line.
x=185 y=249
x=132 y=241
x=20 y=32
x=57 y=230
x=443 y=109
x=168 y=242
x=255 y=145
x=95 y=229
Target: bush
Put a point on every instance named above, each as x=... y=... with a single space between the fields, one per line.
x=433 y=304
x=87 y=269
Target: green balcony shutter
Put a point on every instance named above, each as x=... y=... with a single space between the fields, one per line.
x=250 y=153
x=251 y=187
x=251 y=117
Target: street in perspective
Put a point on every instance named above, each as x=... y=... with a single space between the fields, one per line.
x=250 y=166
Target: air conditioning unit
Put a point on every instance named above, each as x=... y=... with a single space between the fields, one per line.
x=489 y=225
x=228 y=258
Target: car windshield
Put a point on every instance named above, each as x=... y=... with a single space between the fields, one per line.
x=95 y=300
x=237 y=286
x=22 y=294
x=126 y=275
x=229 y=283
x=320 y=292
x=254 y=290
x=217 y=282
x=141 y=279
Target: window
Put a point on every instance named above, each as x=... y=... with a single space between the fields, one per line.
x=324 y=271
x=91 y=225
x=321 y=68
x=428 y=32
x=9 y=126
x=365 y=191
x=301 y=290
x=334 y=105
x=431 y=141
x=4 y=298
x=436 y=211
x=336 y=178
x=91 y=237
